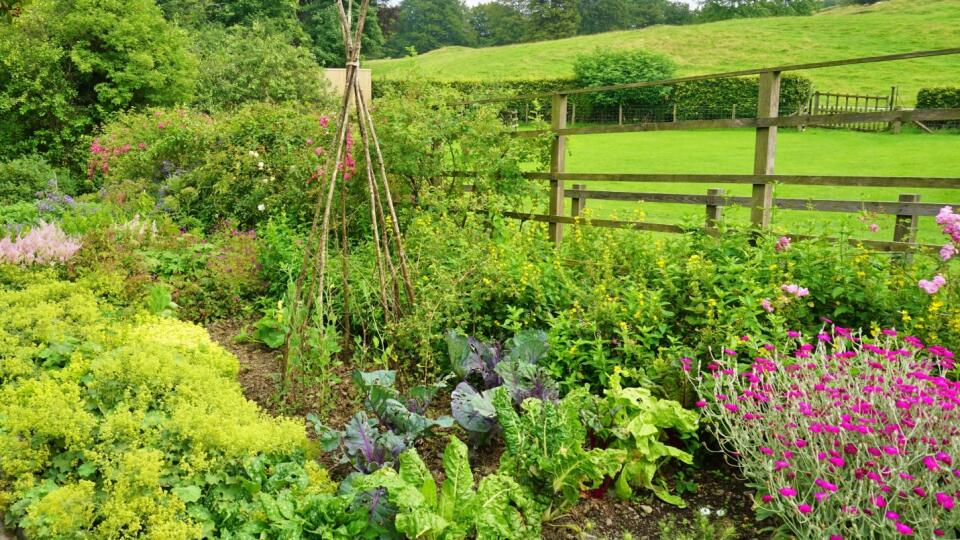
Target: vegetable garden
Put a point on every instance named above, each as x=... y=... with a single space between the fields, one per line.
x=161 y=378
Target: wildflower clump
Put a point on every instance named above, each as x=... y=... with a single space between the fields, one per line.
x=851 y=437
x=43 y=244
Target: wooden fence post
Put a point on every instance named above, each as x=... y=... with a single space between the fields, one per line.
x=905 y=227
x=768 y=106
x=558 y=154
x=714 y=211
x=577 y=204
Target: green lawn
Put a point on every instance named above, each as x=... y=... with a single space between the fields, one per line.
x=815 y=151
x=888 y=27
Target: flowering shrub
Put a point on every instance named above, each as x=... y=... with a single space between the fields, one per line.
x=852 y=438
x=43 y=244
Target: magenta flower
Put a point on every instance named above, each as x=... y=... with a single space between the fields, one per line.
x=788 y=491
x=701 y=403
x=944 y=500
x=903 y=529
x=804 y=508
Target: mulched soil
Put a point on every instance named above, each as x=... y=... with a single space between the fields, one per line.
x=607 y=517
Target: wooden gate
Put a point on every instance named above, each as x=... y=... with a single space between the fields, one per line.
x=831 y=103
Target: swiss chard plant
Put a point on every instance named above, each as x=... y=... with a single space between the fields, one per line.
x=497 y=508
x=546 y=449
x=391 y=423
x=632 y=420
x=484 y=367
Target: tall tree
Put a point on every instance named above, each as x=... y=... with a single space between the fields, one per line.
x=497 y=23
x=551 y=19
x=715 y=10
x=425 y=25
x=604 y=15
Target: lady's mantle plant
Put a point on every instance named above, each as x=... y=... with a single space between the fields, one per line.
x=853 y=437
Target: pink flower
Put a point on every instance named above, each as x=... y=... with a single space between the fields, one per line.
x=903 y=529
x=788 y=491
x=324 y=122
x=767 y=306
x=892 y=516
x=825 y=485
x=731 y=407
x=932 y=286
x=701 y=403
x=944 y=500
x=766 y=498
x=804 y=508
x=931 y=463
x=783 y=243
x=948 y=251
x=874 y=227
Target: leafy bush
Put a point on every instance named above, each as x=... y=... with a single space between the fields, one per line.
x=939 y=98
x=242 y=166
x=621 y=298
x=497 y=508
x=243 y=64
x=604 y=67
x=22 y=178
x=110 y=426
x=718 y=97
x=546 y=450
x=845 y=435
x=70 y=64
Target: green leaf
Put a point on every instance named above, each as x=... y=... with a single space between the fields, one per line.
x=188 y=494
x=456 y=494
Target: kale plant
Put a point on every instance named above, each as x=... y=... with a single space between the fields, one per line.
x=391 y=423
x=484 y=367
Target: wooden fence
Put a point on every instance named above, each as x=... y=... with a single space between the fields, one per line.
x=761 y=202
x=828 y=102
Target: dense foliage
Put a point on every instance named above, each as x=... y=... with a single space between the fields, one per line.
x=68 y=65
x=608 y=67
x=250 y=64
x=135 y=427
x=946 y=97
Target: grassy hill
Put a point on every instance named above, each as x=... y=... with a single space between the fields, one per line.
x=888 y=27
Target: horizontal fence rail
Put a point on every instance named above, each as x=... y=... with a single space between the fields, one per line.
x=761 y=202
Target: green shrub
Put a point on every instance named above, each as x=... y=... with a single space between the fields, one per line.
x=67 y=65
x=243 y=64
x=22 y=178
x=706 y=98
x=243 y=165
x=940 y=98
x=605 y=67
x=112 y=427
x=620 y=298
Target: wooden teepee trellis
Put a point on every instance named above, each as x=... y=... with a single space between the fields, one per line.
x=308 y=303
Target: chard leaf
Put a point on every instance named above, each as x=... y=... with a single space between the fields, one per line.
x=456 y=493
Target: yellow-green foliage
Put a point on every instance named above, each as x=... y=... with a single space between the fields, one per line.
x=118 y=428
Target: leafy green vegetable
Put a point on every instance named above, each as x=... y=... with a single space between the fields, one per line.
x=498 y=508
x=633 y=420
x=545 y=449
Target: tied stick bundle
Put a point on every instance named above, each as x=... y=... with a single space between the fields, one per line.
x=308 y=303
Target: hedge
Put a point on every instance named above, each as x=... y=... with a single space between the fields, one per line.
x=946 y=97
x=696 y=99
